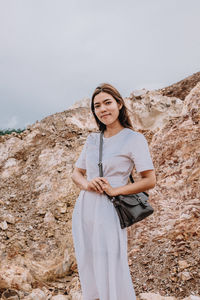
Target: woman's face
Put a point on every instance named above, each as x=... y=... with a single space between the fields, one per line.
x=106 y=108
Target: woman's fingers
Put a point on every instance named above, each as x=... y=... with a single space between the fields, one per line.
x=104 y=180
x=97 y=184
x=97 y=187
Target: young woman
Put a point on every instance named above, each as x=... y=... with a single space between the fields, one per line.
x=100 y=243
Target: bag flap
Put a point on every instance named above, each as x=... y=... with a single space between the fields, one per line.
x=133 y=199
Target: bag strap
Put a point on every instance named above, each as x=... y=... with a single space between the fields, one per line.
x=100 y=158
x=100 y=155
x=131 y=178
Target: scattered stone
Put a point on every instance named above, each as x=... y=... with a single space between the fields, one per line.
x=185 y=276
x=61 y=297
x=9 y=218
x=49 y=218
x=139 y=93
x=4 y=225
x=183 y=264
x=10 y=295
x=152 y=296
x=37 y=294
x=15 y=276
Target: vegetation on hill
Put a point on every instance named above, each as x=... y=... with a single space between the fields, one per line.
x=9 y=131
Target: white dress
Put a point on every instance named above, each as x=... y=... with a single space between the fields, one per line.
x=99 y=242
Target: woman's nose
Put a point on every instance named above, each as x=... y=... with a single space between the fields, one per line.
x=102 y=108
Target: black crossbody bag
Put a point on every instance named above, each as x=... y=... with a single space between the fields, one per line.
x=130 y=208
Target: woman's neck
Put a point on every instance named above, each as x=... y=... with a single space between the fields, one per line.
x=112 y=130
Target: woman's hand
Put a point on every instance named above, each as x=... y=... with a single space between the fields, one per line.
x=107 y=188
x=100 y=185
x=96 y=185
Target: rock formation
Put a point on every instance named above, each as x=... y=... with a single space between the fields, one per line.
x=182 y=88
x=166 y=247
x=37 y=197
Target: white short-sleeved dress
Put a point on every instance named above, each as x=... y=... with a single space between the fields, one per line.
x=99 y=242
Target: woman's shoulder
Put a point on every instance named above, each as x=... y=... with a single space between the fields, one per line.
x=135 y=137
x=92 y=137
x=134 y=134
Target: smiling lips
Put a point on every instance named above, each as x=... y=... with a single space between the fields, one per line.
x=105 y=115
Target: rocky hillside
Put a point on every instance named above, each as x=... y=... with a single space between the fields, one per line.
x=182 y=88
x=37 y=197
x=166 y=247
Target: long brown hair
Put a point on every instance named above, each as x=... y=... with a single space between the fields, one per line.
x=123 y=114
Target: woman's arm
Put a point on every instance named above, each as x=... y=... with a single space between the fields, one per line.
x=147 y=182
x=79 y=179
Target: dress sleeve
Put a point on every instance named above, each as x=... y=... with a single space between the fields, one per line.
x=140 y=153
x=81 y=161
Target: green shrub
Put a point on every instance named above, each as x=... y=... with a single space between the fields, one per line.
x=9 y=131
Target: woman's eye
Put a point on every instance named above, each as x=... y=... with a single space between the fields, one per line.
x=108 y=102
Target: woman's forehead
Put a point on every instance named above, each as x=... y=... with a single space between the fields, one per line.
x=102 y=97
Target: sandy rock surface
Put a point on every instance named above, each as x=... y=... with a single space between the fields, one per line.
x=182 y=88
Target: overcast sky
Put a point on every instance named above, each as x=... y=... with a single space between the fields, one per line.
x=55 y=52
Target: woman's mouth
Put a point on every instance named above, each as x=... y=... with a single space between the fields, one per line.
x=105 y=115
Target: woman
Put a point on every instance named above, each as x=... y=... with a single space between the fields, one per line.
x=100 y=243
